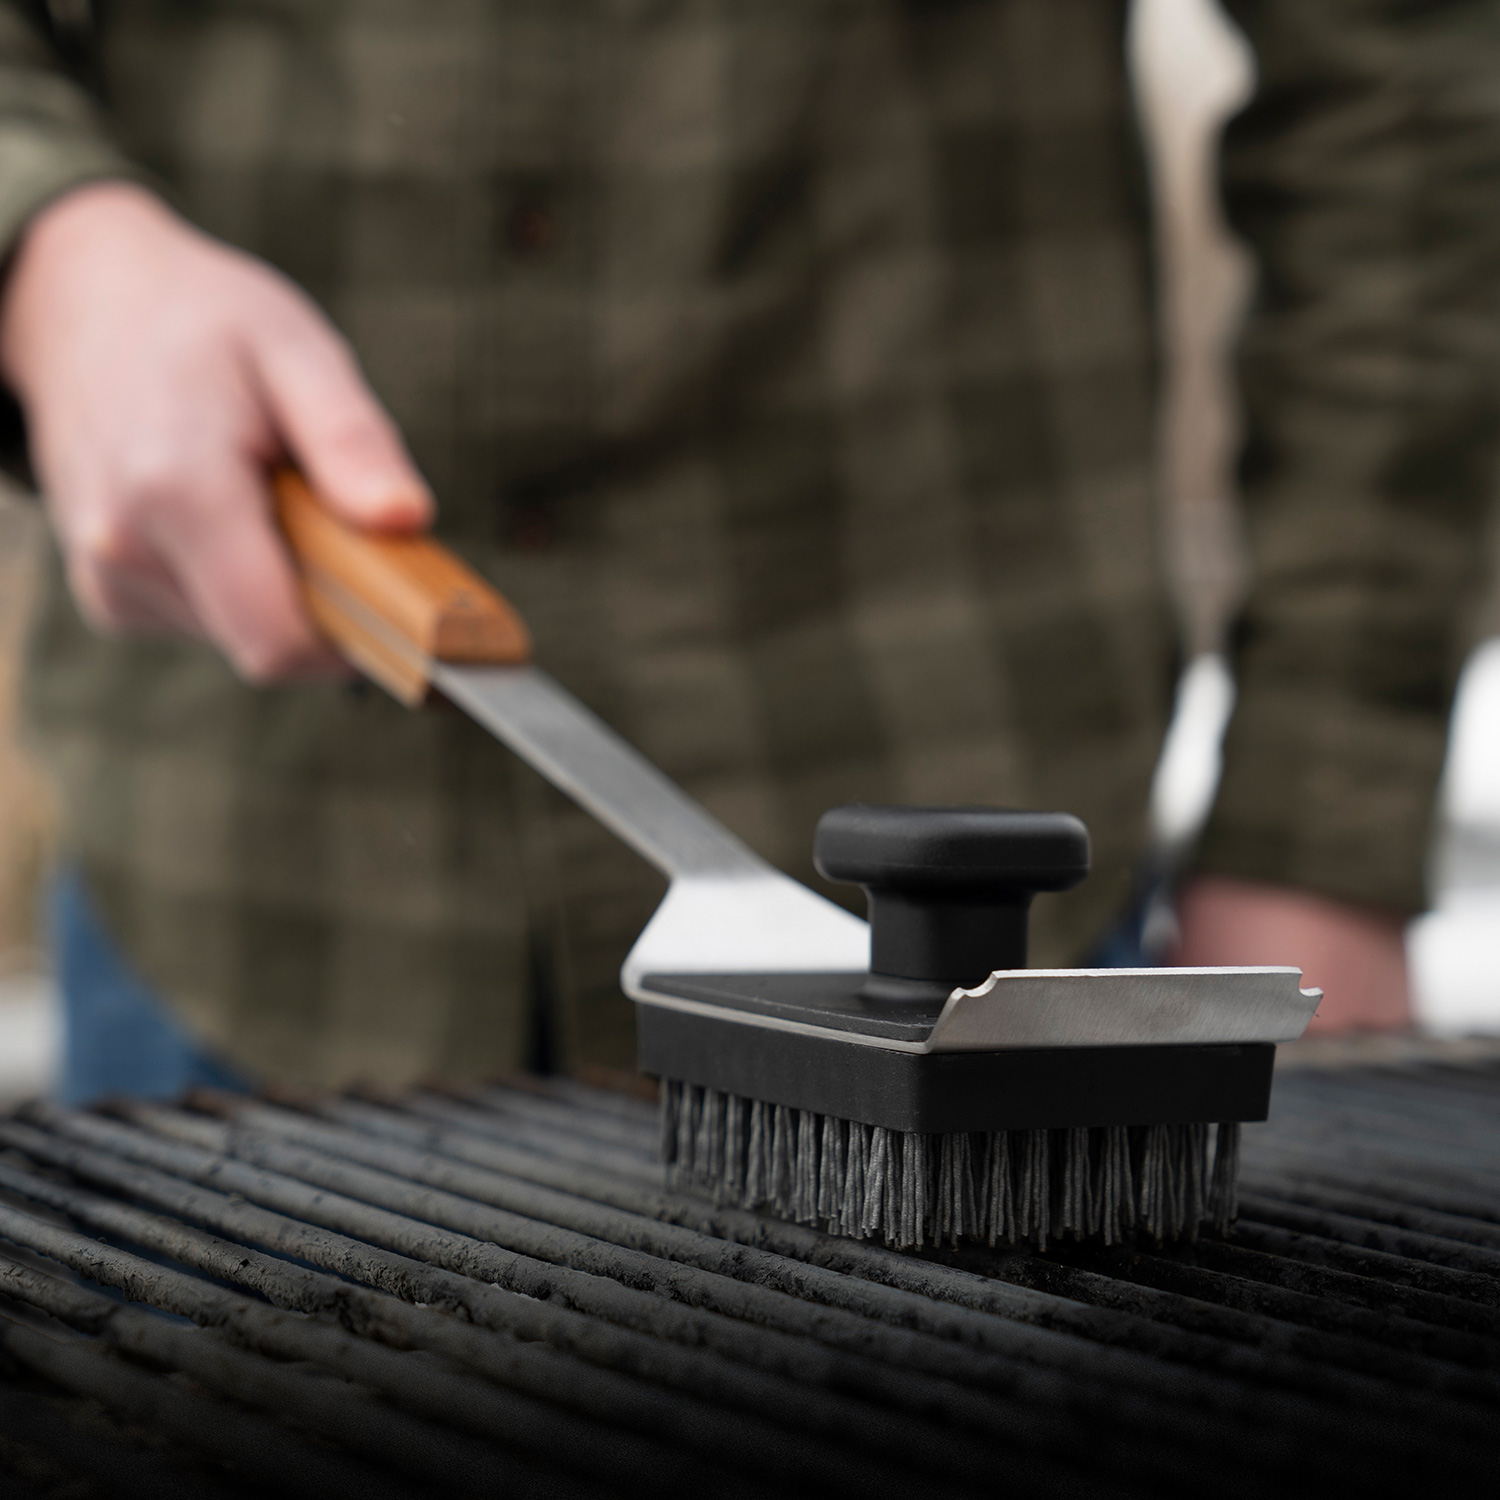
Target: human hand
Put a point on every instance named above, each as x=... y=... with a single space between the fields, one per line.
x=162 y=374
x=1356 y=955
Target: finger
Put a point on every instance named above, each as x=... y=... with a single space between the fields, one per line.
x=128 y=601
x=117 y=581
x=231 y=566
x=334 y=428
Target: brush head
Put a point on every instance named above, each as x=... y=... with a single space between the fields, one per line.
x=947 y=1090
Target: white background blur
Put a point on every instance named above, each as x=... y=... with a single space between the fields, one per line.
x=1192 y=71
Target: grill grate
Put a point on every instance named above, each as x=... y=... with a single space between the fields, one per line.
x=490 y=1292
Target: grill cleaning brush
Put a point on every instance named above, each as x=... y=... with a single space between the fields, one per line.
x=900 y=1104
x=929 y=1088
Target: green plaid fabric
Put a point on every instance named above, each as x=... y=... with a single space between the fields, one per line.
x=788 y=362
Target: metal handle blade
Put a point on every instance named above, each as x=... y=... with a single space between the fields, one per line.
x=582 y=756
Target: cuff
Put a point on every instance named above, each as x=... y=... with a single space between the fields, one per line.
x=51 y=141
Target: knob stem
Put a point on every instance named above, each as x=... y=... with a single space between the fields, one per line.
x=956 y=940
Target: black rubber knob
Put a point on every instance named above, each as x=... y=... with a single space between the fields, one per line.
x=949 y=888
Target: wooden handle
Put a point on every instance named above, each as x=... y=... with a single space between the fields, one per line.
x=394 y=604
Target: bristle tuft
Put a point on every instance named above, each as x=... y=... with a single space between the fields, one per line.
x=1001 y=1187
x=1223 y=1195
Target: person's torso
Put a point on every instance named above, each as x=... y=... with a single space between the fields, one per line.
x=789 y=364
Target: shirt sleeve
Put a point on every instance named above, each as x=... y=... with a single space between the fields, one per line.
x=1365 y=173
x=53 y=136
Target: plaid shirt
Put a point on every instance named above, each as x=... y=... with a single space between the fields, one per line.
x=790 y=364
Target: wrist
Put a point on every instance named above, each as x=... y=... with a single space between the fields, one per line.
x=1356 y=954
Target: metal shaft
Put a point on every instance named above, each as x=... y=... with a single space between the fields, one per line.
x=582 y=756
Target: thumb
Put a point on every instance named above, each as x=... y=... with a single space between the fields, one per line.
x=335 y=429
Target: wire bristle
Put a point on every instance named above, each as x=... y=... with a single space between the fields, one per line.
x=1002 y=1187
